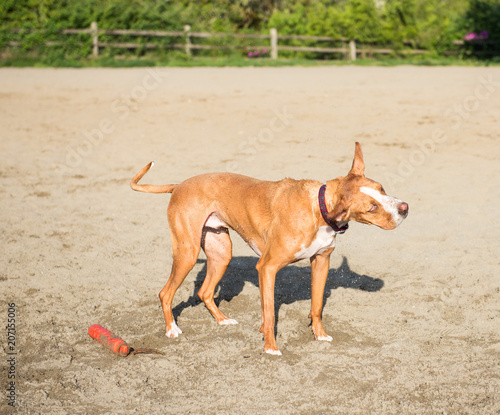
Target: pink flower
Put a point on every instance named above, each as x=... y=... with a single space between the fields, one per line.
x=474 y=36
x=250 y=54
x=264 y=51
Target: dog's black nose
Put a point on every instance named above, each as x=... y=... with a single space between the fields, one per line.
x=403 y=209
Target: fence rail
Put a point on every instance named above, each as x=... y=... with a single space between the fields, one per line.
x=349 y=48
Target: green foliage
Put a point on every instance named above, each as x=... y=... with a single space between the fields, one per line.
x=395 y=24
x=362 y=21
x=482 y=20
x=484 y=15
x=293 y=20
x=425 y=22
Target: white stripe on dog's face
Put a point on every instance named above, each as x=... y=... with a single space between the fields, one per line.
x=390 y=204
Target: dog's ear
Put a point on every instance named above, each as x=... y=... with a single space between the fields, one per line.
x=358 y=165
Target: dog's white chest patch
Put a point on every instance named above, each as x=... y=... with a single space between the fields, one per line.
x=325 y=239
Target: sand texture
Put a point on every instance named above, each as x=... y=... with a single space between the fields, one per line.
x=413 y=312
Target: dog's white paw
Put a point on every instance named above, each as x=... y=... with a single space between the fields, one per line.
x=325 y=338
x=274 y=352
x=174 y=331
x=228 y=321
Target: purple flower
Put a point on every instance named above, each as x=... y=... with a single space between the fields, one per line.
x=256 y=53
x=250 y=54
x=474 y=36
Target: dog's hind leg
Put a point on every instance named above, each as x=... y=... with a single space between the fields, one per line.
x=185 y=253
x=218 y=247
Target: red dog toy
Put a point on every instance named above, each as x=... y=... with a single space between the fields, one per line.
x=113 y=343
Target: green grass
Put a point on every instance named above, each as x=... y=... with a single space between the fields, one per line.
x=231 y=61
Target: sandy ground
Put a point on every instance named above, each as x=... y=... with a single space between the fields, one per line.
x=414 y=312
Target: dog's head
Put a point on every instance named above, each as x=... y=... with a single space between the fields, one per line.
x=364 y=200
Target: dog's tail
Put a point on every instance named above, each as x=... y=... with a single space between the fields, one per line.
x=150 y=188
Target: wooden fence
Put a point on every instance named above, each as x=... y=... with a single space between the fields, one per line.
x=348 y=48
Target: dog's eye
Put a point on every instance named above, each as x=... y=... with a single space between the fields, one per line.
x=372 y=208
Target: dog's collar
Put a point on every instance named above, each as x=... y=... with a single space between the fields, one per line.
x=324 y=212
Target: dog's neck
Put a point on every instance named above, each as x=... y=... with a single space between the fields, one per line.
x=328 y=197
x=333 y=193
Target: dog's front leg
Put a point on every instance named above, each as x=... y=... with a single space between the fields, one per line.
x=320 y=265
x=267 y=277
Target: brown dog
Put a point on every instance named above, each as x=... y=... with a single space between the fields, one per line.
x=282 y=222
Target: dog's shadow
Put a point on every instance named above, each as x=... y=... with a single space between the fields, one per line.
x=293 y=283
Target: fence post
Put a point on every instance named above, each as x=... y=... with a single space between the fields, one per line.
x=274 y=44
x=352 y=49
x=187 y=28
x=95 y=39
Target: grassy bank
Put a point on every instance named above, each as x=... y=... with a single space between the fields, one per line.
x=231 y=61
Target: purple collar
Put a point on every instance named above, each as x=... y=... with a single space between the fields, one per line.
x=324 y=212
